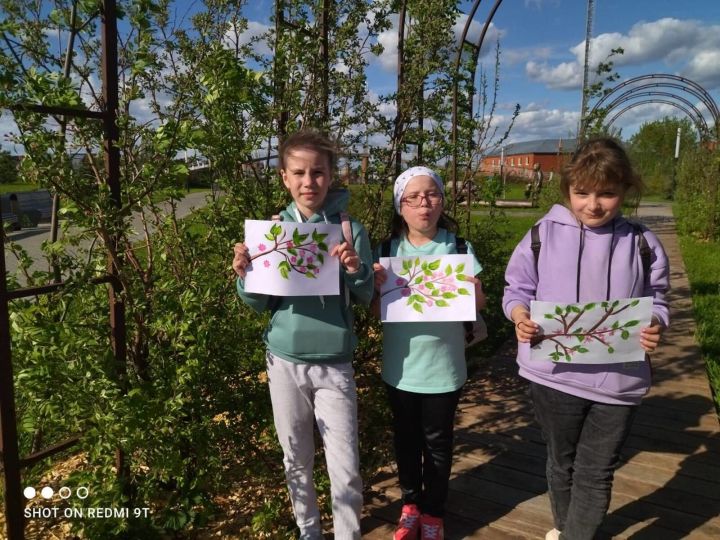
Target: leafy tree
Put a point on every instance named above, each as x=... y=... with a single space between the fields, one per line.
x=8 y=168
x=698 y=193
x=652 y=150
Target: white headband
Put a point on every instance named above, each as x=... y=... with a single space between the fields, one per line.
x=408 y=175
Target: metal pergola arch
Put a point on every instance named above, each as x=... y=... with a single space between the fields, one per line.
x=476 y=55
x=648 y=102
x=638 y=86
x=691 y=110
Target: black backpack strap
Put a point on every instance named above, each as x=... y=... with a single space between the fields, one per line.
x=535 y=243
x=643 y=248
x=385 y=248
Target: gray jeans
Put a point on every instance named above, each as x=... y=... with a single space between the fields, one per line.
x=324 y=393
x=583 y=439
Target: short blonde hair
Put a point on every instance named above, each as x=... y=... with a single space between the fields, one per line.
x=312 y=140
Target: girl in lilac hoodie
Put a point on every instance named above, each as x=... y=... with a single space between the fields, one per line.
x=588 y=252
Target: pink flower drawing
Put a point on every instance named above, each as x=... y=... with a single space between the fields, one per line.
x=261 y=247
x=266 y=264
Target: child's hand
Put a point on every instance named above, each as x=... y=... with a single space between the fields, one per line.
x=241 y=260
x=650 y=335
x=525 y=327
x=348 y=257
x=480 y=299
x=380 y=276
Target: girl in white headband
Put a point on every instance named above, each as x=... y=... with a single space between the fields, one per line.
x=423 y=362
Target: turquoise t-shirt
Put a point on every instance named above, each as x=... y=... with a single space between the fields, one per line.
x=427 y=358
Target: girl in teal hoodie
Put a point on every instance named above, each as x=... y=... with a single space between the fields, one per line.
x=310 y=343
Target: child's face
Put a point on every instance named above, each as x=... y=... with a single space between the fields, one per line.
x=307 y=177
x=422 y=191
x=596 y=207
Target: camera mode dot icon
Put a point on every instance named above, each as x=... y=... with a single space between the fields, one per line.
x=29 y=492
x=64 y=492
x=47 y=492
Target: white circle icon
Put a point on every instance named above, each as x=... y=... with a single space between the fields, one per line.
x=82 y=492
x=29 y=492
x=64 y=492
x=47 y=492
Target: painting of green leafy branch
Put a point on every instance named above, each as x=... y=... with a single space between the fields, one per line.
x=426 y=284
x=302 y=253
x=587 y=329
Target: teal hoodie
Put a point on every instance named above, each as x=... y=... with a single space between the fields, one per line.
x=314 y=329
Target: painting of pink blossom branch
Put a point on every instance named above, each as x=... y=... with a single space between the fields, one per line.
x=427 y=288
x=292 y=259
x=592 y=332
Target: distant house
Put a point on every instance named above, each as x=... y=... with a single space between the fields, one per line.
x=519 y=159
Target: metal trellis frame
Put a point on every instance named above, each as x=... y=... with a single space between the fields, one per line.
x=9 y=453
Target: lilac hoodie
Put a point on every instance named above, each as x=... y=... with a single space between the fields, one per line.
x=560 y=256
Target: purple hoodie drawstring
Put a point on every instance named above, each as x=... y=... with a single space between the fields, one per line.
x=579 y=261
x=610 y=258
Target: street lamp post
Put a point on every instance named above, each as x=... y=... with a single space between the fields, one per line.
x=675 y=161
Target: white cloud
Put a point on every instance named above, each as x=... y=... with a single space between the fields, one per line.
x=539 y=123
x=235 y=37
x=389 y=57
x=688 y=47
x=516 y=56
x=704 y=68
x=564 y=76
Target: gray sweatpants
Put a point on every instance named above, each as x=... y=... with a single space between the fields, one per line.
x=301 y=393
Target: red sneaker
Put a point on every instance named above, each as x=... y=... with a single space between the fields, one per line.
x=409 y=526
x=431 y=528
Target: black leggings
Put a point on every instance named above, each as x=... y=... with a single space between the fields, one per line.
x=423 y=425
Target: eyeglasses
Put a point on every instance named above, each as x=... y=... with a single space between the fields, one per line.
x=415 y=200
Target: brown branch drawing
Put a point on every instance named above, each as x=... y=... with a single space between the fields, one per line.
x=570 y=315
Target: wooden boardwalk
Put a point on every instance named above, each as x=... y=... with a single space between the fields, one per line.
x=668 y=486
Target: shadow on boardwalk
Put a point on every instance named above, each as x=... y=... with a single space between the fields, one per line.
x=668 y=485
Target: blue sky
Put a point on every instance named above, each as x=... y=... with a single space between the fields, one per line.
x=542 y=47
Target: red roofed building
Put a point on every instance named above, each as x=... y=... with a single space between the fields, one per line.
x=519 y=159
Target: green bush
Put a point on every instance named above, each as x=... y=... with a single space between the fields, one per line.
x=698 y=194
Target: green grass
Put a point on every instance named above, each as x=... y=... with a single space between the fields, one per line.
x=14 y=188
x=702 y=261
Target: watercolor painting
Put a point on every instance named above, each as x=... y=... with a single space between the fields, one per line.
x=428 y=288
x=606 y=332
x=292 y=259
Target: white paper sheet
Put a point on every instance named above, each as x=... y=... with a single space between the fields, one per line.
x=428 y=288
x=292 y=259
x=591 y=332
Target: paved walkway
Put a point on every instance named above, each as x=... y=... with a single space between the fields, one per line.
x=668 y=486
x=31 y=239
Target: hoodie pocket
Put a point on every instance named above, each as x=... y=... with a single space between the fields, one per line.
x=307 y=328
